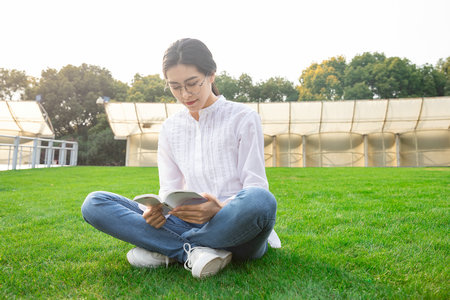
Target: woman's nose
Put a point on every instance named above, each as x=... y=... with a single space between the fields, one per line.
x=184 y=93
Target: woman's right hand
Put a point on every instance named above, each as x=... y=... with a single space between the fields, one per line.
x=153 y=216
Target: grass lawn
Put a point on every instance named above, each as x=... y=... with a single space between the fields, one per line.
x=346 y=232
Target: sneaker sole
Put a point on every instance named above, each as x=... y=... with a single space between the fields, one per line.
x=137 y=262
x=213 y=264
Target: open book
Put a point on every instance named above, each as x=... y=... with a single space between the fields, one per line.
x=171 y=200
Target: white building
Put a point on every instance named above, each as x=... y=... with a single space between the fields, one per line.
x=371 y=133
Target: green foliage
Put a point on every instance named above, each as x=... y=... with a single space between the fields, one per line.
x=370 y=76
x=432 y=81
x=277 y=89
x=359 y=81
x=392 y=78
x=69 y=96
x=443 y=67
x=274 y=89
x=11 y=83
x=358 y=91
x=99 y=148
x=323 y=81
x=149 y=88
x=347 y=233
x=120 y=91
x=246 y=89
x=228 y=86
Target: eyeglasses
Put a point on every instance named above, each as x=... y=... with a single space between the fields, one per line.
x=192 y=87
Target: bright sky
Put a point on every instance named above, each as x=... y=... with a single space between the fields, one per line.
x=261 y=38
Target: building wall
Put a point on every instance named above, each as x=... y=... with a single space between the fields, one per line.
x=341 y=149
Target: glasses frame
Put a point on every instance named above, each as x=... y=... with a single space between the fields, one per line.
x=183 y=86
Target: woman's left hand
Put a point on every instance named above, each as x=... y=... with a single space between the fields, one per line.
x=198 y=213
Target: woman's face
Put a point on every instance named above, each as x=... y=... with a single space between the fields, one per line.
x=191 y=87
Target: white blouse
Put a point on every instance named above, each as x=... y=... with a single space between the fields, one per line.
x=220 y=154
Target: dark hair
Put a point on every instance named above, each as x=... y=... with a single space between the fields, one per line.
x=190 y=52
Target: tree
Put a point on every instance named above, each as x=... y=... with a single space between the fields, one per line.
x=149 y=88
x=395 y=78
x=246 y=88
x=359 y=90
x=443 y=66
x=323 y=81
x=227 y=86
x=120 y=90
x=432 y=82
x=99 y=147
x=370 y=76
x=277 y=89
x=69 y=96
x=359 y=82
x=243 y=89
x=12 y=83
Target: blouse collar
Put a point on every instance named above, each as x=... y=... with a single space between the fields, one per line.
x=210 y=109
x=213 y=107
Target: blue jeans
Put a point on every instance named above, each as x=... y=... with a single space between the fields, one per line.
x=242 y=226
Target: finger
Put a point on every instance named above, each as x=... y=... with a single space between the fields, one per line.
x=151 y=210
x=190 y=207
x=151 y=215
x=148 y=215
x=205 y=195
x=187 y=214
x=197 y=219
x=194 y=220
x=161 y=223
x=208 y=197
x=157 y=221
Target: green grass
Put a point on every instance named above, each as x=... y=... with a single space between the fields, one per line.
x=346 y=232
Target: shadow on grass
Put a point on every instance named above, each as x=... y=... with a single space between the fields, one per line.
x=280 y=274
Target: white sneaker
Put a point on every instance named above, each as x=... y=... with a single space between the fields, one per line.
x=204 y=261
x=142 y=258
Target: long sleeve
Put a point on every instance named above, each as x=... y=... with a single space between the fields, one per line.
x=251 y=163
x=170 y=176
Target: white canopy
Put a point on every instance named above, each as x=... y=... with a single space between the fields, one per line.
x=24 y=118
x=303 y=118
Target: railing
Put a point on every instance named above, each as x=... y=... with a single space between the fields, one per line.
x=19 y=152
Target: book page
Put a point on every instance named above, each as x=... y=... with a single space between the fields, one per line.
x=178 y=198
x=147 y=199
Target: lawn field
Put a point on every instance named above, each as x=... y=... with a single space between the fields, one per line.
x=348 y=233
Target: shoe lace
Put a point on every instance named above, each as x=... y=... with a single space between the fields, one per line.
x=188 y=249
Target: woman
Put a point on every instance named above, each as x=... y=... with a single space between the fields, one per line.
x=214 y=147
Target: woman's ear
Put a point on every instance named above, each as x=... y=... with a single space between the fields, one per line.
x=212 y=77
